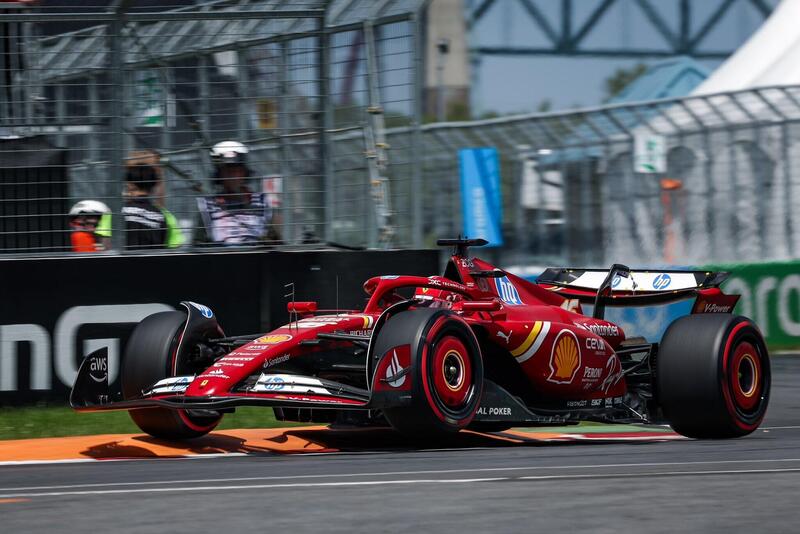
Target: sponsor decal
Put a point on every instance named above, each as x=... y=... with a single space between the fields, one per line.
x=577 y=403
x=572 y=305
x=616 y=281
x=393 y=369
x=592 y=343
x=228 y=364
x=273 y=339
x=466 y=263
x=602 y=330
x=483 y=285
x=203 y=383
x=235 y=357
x=390 y=277
x=318 y=322
x=494 y=410
x=273 y=383
x=615 y=374
x=276 y=361
x=434 y=281
x=393 y=362
x=362 y=333
x=597 y=402
x=565 y=358
x=592 y=372
x=98 y=369
x=257 y=347
x=716 y=308
x=505 y=336
x=215 y=373
x=205 y=311
x=533 y=341
x=506 y=291
x=662 y=281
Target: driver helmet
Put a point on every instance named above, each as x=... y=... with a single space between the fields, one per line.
x=438 y=297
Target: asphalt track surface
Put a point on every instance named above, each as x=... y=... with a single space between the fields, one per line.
x=750 y=484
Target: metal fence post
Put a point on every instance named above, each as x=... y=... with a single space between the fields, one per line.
x=117 y=105
x=416 y=136
x=326 y=124
x=285 y=128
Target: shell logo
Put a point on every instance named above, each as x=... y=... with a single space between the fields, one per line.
x=274 y=339
x=565 y=359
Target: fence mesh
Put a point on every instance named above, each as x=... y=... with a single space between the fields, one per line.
x=574 y=189
x=127 y=110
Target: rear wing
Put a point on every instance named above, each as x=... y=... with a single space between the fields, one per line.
x=629 y=287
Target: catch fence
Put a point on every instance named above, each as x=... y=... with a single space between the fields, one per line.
x=679 y=181
x=90 y=100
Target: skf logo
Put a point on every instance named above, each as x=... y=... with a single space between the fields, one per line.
x=565 y=359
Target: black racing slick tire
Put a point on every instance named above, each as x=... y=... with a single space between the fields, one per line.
x=446 y=373
x=713 y=376
x=148 y=358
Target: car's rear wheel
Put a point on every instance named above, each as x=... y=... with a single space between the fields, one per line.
x=149 y=357
x=446 y=373
x=713 y=376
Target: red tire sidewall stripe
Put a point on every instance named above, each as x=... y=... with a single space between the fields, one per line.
x=426 y=385
x=725 y=382
x=184 y=417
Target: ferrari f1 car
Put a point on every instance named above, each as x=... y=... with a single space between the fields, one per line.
x=476 y=348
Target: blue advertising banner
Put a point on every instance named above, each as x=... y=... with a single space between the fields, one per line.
x=481 y=205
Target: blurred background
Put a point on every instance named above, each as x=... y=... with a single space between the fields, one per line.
x=155 y=149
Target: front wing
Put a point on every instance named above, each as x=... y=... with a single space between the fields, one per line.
x=92 y=393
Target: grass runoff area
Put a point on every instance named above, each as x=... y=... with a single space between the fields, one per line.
x=55 y=421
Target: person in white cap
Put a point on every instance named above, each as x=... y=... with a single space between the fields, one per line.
x=235 y=215
x=90 y=225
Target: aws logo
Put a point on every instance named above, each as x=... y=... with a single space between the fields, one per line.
x=565 y=358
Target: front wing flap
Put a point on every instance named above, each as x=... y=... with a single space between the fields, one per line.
x=92 y=393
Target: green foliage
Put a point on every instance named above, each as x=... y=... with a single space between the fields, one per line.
x=54 y=421
x=621 y=78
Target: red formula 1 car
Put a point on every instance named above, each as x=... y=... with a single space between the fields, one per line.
x=476 y=348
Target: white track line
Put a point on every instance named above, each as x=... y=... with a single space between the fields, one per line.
x=402 y=473
x=185 y=489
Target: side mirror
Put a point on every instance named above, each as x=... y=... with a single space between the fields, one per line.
x=481 y=305
x=301 y=307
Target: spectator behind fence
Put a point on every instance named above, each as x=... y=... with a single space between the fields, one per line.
x=90 y=225
x=235 y=215
x=147 y=223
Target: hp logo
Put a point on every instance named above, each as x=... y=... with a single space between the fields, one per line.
x=506 y=291
x=662 y=281
x=274 y=383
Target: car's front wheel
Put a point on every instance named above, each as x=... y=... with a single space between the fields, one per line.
x=149 y=357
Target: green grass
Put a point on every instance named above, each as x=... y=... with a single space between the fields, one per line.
x=54 y=421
